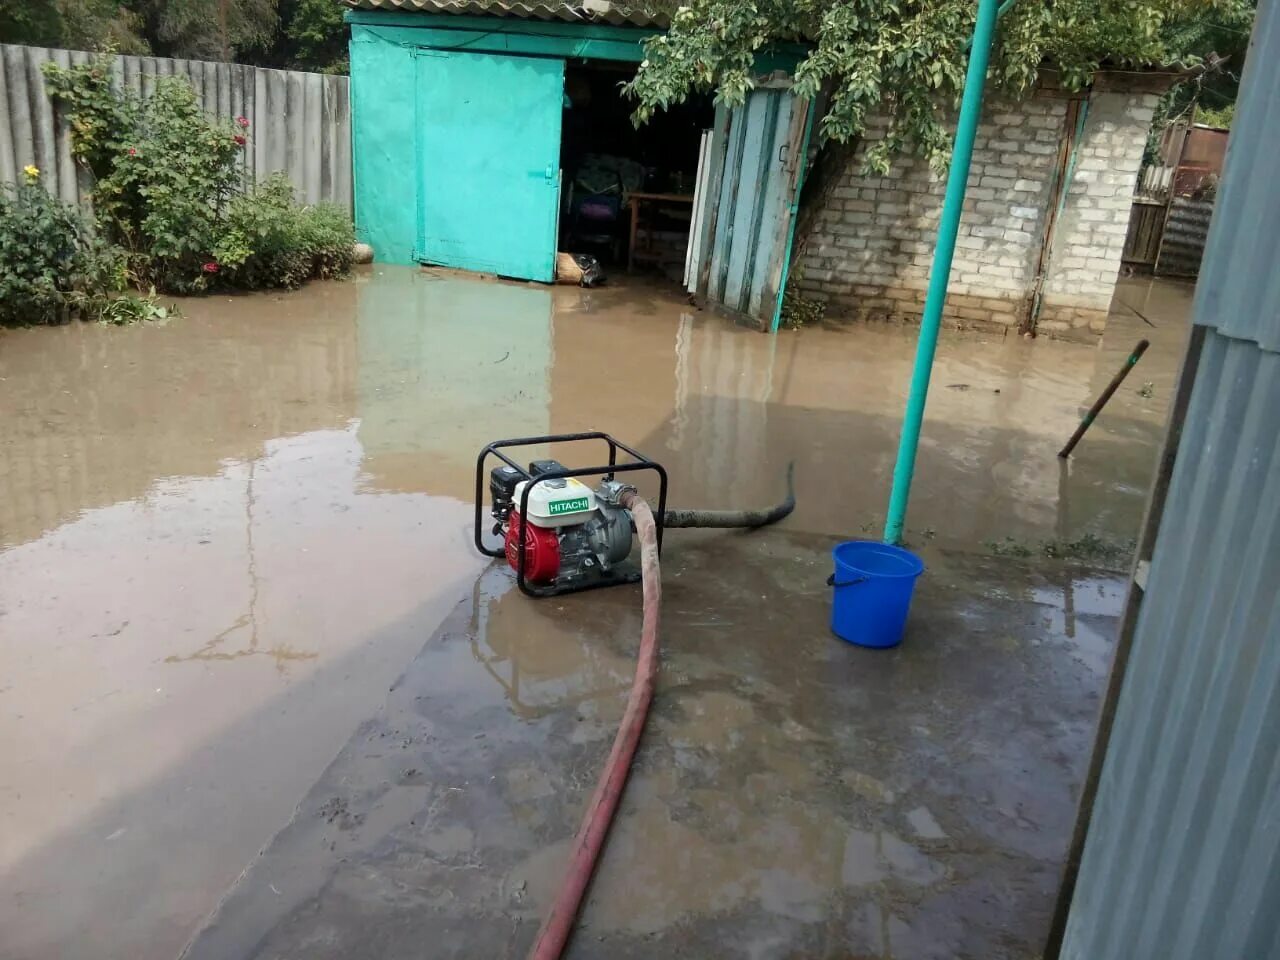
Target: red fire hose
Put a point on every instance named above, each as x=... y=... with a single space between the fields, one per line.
x=595 y=824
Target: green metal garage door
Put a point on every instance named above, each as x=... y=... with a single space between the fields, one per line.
x=488 y=161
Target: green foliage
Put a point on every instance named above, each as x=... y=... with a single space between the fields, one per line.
x=51 y=264
x=301 y=34
x=102 y=25
x=134 y=308
x=210 y=29
x=270 y=241
x=800 y=311
x=35 y=22
x=163 y=170
x=1217 y=118
x=318 y=36
x=169 y=189
x=904 y=59
x=76 y=24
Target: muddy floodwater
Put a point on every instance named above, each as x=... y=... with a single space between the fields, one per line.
x=222 y=541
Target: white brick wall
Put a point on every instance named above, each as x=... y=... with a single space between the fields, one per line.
x=869 y=249
x=1089 y=238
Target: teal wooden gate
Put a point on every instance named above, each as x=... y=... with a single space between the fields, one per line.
x=750 y=195
x=488 y=161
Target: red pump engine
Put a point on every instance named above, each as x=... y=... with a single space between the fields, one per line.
x=541 y=549
x=572 y=535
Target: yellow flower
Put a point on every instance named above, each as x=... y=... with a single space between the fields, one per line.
x=32 y=171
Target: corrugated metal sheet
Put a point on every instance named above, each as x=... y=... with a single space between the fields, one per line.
x=1182 y=855
x=1182 y=860
x=1185 y=231
x=754 y=165
x=300 y=123
x=590 y=11
x=1244 y=235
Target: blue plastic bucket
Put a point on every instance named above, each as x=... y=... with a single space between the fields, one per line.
x=872 y=589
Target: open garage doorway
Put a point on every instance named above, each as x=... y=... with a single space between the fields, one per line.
x=627 y=194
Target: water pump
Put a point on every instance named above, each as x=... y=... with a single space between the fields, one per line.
x=558 y=533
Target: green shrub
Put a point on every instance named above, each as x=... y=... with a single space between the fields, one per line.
x=51 y=264
x=163 y=171
x=271 y=241
x=168 y=188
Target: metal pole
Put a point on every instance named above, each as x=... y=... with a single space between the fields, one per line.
x=1087 y=421
x=961 y=156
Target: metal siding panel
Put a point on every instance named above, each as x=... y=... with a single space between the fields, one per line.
x=751 y=172
x=752 y=217
x=1184 y=826
x=385 y=137
x=1243 y=239
x=730 y=183
x=312 y=115
x=259 y=140
x=21 y=117
x=45 y=145
x=1182 y=856
x=8 y=165
x=147 y=76
x=275 y=121
x=344 y=162
x=129 y=70
x=1182 y=245
x=716 y=159
x=64 y=178
x=692 y=257
x=222 y=72
x=771 y=221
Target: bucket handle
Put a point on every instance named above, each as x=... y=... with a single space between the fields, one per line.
x=831 y=581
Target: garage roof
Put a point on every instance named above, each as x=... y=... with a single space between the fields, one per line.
x=572 y=11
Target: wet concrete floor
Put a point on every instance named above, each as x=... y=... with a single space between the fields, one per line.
x=222 y=540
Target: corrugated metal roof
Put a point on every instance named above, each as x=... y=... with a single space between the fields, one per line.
x=1243 y=240
x=587 y=11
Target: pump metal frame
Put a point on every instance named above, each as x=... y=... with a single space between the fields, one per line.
x=638 y=463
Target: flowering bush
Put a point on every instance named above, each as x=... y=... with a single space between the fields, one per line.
x=51 y=264
x=169 y=188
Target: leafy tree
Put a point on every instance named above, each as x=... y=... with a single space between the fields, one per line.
x=34 y=22
x=209 y=29
x=906 y=58
x=1225 y=31
x=317 y=35
x=78 y=24
x=101 y=25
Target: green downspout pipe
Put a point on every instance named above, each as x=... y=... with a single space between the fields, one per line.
x=794 y=211
x=940 y=273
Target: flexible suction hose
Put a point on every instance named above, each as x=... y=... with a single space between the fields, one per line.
x=736 y=518
x=595 y=824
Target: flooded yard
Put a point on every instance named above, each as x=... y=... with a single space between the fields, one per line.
x=224 y=541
